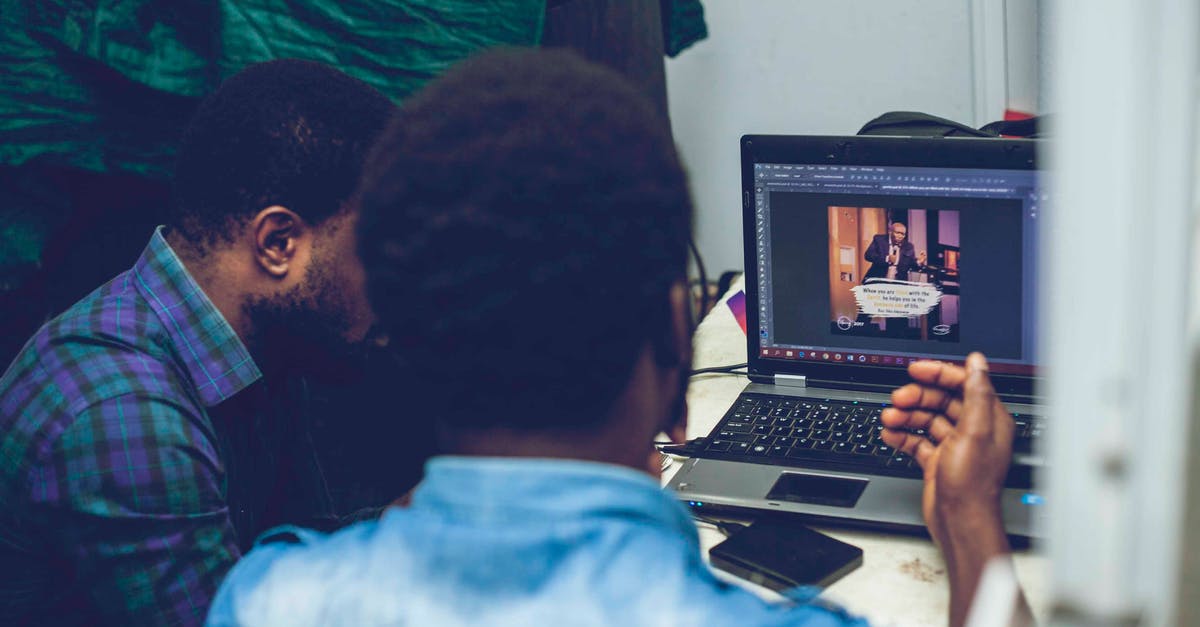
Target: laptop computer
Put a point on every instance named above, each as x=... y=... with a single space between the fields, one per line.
x=864 y=254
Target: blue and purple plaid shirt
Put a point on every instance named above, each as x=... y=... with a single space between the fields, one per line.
x=113 y=503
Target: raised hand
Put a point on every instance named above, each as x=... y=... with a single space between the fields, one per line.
x=965 y=454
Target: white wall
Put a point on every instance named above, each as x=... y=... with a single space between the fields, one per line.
x=807 y=67
x=1023 y=54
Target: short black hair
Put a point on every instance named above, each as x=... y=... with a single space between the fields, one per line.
x=287 y=132
x=524 y=219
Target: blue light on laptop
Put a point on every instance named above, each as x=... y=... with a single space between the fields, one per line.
x=1033 y=499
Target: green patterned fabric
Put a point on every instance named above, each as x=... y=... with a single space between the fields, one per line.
x=107 y=86
x=683 y=25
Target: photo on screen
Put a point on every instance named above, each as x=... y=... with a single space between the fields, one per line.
x=894 y=272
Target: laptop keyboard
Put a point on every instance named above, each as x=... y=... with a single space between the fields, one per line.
x=816 y=432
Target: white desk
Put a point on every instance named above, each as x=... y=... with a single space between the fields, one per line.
x=902 y=580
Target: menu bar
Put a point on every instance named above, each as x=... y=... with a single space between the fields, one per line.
x=878 y=359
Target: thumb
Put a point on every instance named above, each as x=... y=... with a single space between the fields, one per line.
x=978 y=396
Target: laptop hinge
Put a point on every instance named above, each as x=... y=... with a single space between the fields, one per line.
x=790 y=380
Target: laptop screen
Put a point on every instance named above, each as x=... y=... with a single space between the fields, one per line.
x=882 y=265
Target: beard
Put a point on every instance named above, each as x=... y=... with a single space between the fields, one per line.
x=303 y=331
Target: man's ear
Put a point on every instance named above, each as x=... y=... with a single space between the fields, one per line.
x=681 y=323
x=277 y=231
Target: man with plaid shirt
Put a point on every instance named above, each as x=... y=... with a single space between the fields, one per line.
x=152 y=430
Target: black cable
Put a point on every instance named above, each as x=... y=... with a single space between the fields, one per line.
x=720 y=369
x=668 y=443
x=726 y=527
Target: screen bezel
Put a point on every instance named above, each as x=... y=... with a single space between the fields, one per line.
x=923 y=152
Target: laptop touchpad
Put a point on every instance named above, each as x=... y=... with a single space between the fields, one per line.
x=817 y=489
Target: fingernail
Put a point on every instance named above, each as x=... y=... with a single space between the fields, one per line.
x=976 y=362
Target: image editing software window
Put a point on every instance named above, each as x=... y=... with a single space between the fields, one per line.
x=881 y=266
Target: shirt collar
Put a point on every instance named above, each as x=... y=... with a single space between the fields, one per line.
x=499 y=489
x=213 y=356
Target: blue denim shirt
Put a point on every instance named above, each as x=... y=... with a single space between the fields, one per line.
x=490 y=541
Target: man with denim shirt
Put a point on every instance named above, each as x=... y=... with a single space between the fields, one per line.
x=524 y=234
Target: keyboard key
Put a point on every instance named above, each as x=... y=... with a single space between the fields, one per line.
x=761 y=429
x=844 y=448
x=803 y=443
x=778 y=451
x=864 y=449
x=861 y=438
x=822 y=424
x=757 y=449
x=739 y=447
x=839 y=436
x=781 y=431
x=820 y=434
x=738 y=427
x=900 y=460
x=782 y=412
x=823 y=445
x=719 y=445
x=766 y=440
x=785 y=442
x=784 y=422
x=788 y=402
x=830 y=456
x=804 y=423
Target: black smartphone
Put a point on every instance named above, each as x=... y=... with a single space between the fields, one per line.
x=781 y=556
